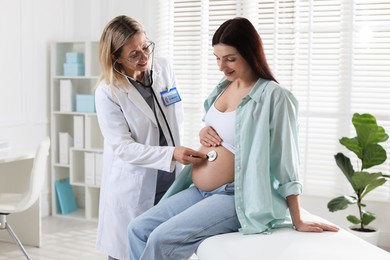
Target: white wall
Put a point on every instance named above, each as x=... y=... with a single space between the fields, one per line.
x=26 y=28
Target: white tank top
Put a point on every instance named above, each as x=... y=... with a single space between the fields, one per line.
x=223 y=123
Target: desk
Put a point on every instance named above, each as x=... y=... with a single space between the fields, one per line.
x=15 y=168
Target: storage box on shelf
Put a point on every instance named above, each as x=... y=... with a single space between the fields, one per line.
x=77 y=143
x=74 y=65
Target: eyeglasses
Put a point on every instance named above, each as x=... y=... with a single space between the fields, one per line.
x=146 y=50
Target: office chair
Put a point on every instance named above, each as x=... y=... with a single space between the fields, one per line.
x=18 y=202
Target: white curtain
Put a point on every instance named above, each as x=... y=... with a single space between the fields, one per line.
x=334 y=55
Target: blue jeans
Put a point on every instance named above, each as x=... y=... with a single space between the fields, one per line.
x=174 y=228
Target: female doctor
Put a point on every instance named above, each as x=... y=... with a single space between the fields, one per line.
x=138 y=109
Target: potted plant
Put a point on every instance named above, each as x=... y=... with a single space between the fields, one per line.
x=369 y=153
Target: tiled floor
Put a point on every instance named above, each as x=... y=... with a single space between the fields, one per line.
x=62 y=239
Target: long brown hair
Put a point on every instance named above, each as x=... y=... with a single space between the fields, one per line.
x=242 y=35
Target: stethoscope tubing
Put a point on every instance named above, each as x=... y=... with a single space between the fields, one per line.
x=163 y=114
x=154 y=94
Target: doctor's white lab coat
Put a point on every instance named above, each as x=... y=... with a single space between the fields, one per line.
x=132 y=155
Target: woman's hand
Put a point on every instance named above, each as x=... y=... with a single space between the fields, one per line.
x=315 y=227
x=305 y=226
x=209 y=137
x=186 y=155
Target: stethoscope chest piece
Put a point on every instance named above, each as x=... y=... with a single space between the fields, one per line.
x=212 y=155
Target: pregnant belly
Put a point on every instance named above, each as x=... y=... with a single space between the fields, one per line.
x=211 y=175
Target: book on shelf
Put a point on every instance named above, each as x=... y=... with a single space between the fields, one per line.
x=65 y=142
x=67 y=96
x=93 y=138
x=65 y=196
x=78 y=131
x=89 y=168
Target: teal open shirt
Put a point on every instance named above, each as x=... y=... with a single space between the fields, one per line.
x=266 y=156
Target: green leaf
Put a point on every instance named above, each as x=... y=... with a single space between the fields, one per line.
x=362 y=179
x=373 y=154
x=345 y=165
x=353 y=145
x=340 y=203
x=364 y=182
x=367 y=218
x=367 y=130
x=373 y=185
x=353 y=219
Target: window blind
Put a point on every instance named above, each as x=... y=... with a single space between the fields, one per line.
x=333 y=55
x=185 y=28
x=370 y=69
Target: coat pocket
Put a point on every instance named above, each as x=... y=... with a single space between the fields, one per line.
x=124 y=187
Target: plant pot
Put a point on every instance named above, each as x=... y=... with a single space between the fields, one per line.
x=371 y=237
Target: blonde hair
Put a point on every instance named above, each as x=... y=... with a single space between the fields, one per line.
x=115 y=35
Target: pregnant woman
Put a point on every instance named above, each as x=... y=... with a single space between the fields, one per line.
x=250 y=182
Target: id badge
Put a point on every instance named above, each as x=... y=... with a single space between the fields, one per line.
x=170 y=97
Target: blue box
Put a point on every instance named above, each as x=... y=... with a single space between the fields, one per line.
x=85 y=103
x=74 y=69
x=74 y=57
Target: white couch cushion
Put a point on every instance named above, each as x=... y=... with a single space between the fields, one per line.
x=286 y=243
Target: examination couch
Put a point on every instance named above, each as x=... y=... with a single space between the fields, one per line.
x=288 y=244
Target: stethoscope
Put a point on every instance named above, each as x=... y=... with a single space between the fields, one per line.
x=154 y=94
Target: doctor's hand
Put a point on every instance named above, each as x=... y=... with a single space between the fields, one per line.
x=209 y=137
x=186 y=155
